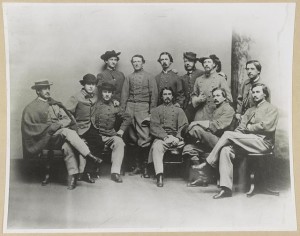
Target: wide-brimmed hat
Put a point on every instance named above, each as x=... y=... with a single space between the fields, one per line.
x=212 y=57
x=107 y=86
x=190 y=56
x=109 y=54
x=40 y=84
x=88 y=79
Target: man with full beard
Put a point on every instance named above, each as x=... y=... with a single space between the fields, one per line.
x=202 y=99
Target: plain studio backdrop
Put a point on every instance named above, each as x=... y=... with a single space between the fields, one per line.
x=63 y=42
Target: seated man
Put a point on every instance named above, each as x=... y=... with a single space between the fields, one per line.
x=82 y=106
x=104 y=118
x=46 y=121
x=204 y=134
x=255 y=134
x=166 y=124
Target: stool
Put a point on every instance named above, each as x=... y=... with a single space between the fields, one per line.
x=173 y=157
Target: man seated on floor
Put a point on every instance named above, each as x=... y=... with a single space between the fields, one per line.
x=166 y=124
x=204 y=134
x=104 y=118
x=82 y=106
x=46 y=121
x=255 y=134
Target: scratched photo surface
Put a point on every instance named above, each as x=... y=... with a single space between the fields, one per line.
x=63 y=42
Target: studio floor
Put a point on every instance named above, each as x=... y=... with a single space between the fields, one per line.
x=139 y=205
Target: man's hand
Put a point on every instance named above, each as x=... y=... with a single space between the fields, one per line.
x=120 y=133
x=54 y=127
x=238 y=116
x=116 y=103
x=171 y=140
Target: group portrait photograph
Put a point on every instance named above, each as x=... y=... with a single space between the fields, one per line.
x=149 y=117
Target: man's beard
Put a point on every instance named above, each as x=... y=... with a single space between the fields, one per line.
x=167 y=101
x=189 y=68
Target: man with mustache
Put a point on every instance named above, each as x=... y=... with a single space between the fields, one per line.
x=46 y=123
x=255 y=134
x=82 y=106
x=139 y=97
x=204 y=134
x=244 y=99
x=188 y=80
x=168 y=78
x=202 y=99
x=166 y=124
x=111 y=74
x=104 y=119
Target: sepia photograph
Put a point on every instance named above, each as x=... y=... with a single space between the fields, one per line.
x=149 y=117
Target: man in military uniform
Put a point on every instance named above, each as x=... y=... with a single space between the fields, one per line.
x=202 y=98
x=46 y=123
x=255 y=134
x=188 y=80
x=244 y=99
x=168 y=78
x=82 y=106
x=111 y=75
x=205 y=134
x=104 y=118
x=139 y=97
x=166 y=124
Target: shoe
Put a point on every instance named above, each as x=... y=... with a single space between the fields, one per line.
x=160 y=180
x=94 y=158
x=136 y=171
x=46 y=180
x=116 y=177
x=71 y=182
x=198 y=183
x=223 y=193
x=145 y=172
x=88 y=178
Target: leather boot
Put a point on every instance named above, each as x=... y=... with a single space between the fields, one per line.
x=71 y=182
x=160 y=180
x=145 y=171
x=94 y=158
x=137 y=170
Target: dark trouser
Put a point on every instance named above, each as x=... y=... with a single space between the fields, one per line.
x=95 y=143
x=190 y=112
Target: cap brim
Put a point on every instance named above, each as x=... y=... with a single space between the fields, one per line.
x=41 y=85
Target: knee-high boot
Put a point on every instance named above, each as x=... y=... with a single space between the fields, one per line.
x=145 y=154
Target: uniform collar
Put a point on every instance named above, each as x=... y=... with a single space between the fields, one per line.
x=191 y=71
x=260 y=104
x=42 y=99
x=166 y=72
x=86 y=94
x=254 y=81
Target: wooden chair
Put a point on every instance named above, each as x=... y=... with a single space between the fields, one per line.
x=259 y=172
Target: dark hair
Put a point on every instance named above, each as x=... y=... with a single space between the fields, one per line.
x=140 y=56
x=265 y=89
x=165 y=53
x=167 y=88
x=255 y=63
x=222 y=90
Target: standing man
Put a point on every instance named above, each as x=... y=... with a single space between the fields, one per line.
x=82 y=106
x=104 y=118
x=202 y=99
x=168 y=78
x=111 y=75
x=166 y=124
x=206 y=133
x=139 y=97
x=47 y=122
x=255 y=134
x=188 y=80
x=244 y=99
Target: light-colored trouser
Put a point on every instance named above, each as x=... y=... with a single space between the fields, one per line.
x=224 y=153
x=138 y=134
x=116 y=144
x=157 y=151
x=73 y=141
x=204 y=136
